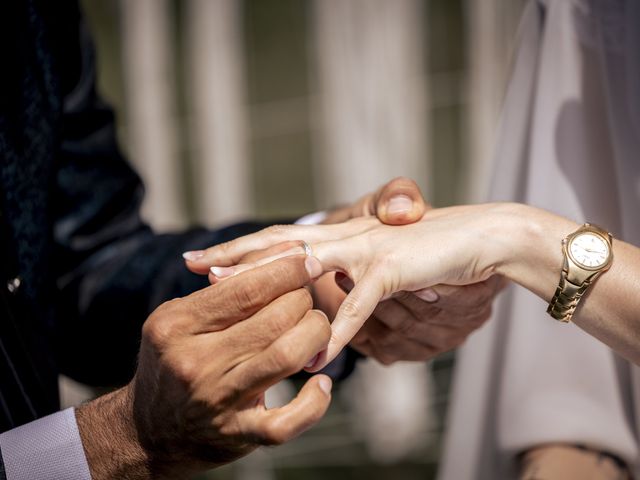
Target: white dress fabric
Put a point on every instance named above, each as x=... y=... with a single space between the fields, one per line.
x=569 y=142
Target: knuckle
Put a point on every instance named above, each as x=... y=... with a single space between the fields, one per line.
x=407 y=327
x=227 y=393
x=350 y=308
x=283 y=360
x=304 y=297
x=282 y=315
x=404 y=181
x=246 y=296
x=185 y=370
x=162 y=324
x=276 y=231
x=320 y=323
x=274 y=433
x=386 y=358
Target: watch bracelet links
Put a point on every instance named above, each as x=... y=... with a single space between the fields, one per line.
x=566 y=299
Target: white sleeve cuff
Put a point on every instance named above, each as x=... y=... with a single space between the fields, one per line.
x=312 y=218
x=46 y=449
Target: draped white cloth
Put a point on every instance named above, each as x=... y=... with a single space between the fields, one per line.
x=569 y=142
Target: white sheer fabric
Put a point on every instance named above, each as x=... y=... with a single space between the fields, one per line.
x=569 y=142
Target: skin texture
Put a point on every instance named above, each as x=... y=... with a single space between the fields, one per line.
x=197 y=399
x=561 y=462
x=457 y=246
x=408 y=326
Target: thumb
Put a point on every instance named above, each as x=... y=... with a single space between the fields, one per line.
x=399 y=202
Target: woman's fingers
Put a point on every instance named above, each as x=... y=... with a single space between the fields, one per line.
x=353 y=313
x=232 y=252
x=339 y=255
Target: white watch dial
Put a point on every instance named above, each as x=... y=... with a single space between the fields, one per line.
x=589 y=250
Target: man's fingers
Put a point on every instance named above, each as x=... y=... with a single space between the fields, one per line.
x=399 y=202
x=279 y=425
x=354 y=311
x=266 y=326
x=288 y=354
x=218 y=306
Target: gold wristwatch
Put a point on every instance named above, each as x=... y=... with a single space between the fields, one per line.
x=587 y=253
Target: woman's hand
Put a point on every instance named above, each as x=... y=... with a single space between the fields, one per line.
x=455 y=246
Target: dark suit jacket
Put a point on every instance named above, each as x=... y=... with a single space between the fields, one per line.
x=79 y=269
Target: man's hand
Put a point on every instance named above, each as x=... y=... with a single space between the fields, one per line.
x=398 y=202
x=409 y=328
x=197 y=399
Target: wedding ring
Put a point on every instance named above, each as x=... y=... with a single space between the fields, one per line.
x=307 y=248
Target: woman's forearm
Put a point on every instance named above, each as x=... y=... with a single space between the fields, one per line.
x=531 y=255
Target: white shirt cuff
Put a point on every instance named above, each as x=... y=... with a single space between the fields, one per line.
x=312 y=218
x=48 y=448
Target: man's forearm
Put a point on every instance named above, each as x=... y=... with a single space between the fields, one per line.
x=110 y=439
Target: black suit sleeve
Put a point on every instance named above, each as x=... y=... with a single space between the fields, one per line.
x=111 y=269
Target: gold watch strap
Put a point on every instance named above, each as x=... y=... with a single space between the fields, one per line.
x=566 y=298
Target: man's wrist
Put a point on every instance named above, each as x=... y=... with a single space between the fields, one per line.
x=110 y=439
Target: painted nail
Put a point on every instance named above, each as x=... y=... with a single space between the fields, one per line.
x=313 y=266
x=193 y=255
x=399 y=204
x=222 y=272
x=325 y=384
x=312 y=362
x=427 y=294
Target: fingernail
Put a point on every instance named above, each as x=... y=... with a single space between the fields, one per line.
x=325 y=384
x=312 y=362
x=313 y=266
x=399 y=204
x=427 y=294
x=222 y=272
x=193 y=255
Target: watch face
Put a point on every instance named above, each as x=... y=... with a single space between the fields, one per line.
x=589 y=250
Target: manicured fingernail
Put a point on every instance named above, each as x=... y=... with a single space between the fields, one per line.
x=325 y=384
x=427 y=294
x=399 y=204
x=312 y=362
x=313 y=266
x=222 y=272
x=193 y=255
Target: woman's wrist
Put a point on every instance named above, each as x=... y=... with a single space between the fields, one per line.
x=528 y=246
